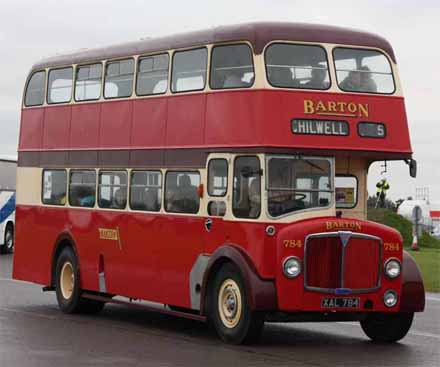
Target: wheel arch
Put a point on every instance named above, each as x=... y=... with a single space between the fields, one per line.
x=64 y=240
x=412 y=297
x=261 y=293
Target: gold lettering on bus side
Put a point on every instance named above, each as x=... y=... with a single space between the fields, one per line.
x=352 y=107
x=390 y=246
x=332 y=107
x=354 y=226
x=341 y=106
x=108 y=234
x=320 y=107
x=308 y=106
x=363 y=110
x=292 y=243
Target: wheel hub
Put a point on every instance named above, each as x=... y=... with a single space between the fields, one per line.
x=9 y=241
x=67 y=280
x=230 y=303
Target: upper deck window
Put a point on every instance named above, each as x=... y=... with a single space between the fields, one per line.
x=35 y=89
x=88 y=82
x=119 y=79
x=189 y=70
x=297 y=66
x=152 y=76
x=60 y=85
x=366 y=71
x=232 y=67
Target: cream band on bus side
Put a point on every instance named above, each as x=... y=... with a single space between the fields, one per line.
x=31 y=190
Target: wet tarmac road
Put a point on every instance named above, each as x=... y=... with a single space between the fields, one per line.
x=33 y=332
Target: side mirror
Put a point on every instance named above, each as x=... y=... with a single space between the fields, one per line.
x=413 y=168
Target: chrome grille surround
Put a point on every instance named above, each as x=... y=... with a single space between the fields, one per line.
x=345 y=237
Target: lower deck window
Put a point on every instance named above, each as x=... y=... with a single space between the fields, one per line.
x=247 y=187
x=181 y=195
x=82 y=188
x=146 y=190
x=346 y=187
x=113 y=190
x=54 y=187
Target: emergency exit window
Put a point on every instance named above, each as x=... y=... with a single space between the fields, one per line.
x=346 y=188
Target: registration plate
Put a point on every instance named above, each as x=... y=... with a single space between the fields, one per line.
x=340 y=302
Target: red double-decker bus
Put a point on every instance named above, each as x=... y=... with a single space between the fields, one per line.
x=221 y=173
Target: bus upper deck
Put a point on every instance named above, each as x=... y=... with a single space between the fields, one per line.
x=286 y=86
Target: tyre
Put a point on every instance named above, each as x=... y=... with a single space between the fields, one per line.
x=229 y=310
x=8 y=244
x=67 y=286
x=387 y=327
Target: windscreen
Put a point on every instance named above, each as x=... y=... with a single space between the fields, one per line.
x=360 y=70
x=295 y=184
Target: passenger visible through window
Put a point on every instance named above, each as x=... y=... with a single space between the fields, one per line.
x=297 y=66
x=247 y=187
x=35 y=89
x=152 y=77
x=146 y=190
x=88 y=82
x=297 y=184
x=119 y=79
x=232 y=67
x=113 y=190
x=189 y=70
x=60 y=85
x=82 y=188
x=54 y=187
x=181 y=192
x=363 y=71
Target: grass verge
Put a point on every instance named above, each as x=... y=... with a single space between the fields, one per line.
x=428 y=260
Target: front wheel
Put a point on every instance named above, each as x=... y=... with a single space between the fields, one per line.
x=229 y=309
x=67 y=286
x=387 y=327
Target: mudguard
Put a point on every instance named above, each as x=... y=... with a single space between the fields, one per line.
x=261 y=293
x=413 y=291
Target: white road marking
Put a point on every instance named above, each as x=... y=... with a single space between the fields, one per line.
x=431 y=298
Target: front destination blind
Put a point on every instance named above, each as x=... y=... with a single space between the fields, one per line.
x=320 y=127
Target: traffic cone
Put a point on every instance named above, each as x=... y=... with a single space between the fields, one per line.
x=414 y=245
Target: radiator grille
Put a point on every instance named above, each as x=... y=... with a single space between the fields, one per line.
x=342 y=260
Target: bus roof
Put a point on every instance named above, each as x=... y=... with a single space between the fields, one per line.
x=259 y=34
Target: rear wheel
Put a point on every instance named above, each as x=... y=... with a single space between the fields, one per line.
x=8 y=244
x=229 y=309
x=67 y=286
x=387 y=327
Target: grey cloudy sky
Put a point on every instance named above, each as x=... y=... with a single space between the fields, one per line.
x=30 y=30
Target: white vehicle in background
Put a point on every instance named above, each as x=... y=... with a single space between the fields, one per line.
x=8 y=170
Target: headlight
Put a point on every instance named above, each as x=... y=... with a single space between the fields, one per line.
x=390 y=298
x=292 y=267
x=392 y=268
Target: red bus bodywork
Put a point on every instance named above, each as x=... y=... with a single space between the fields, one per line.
x=158 y=251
